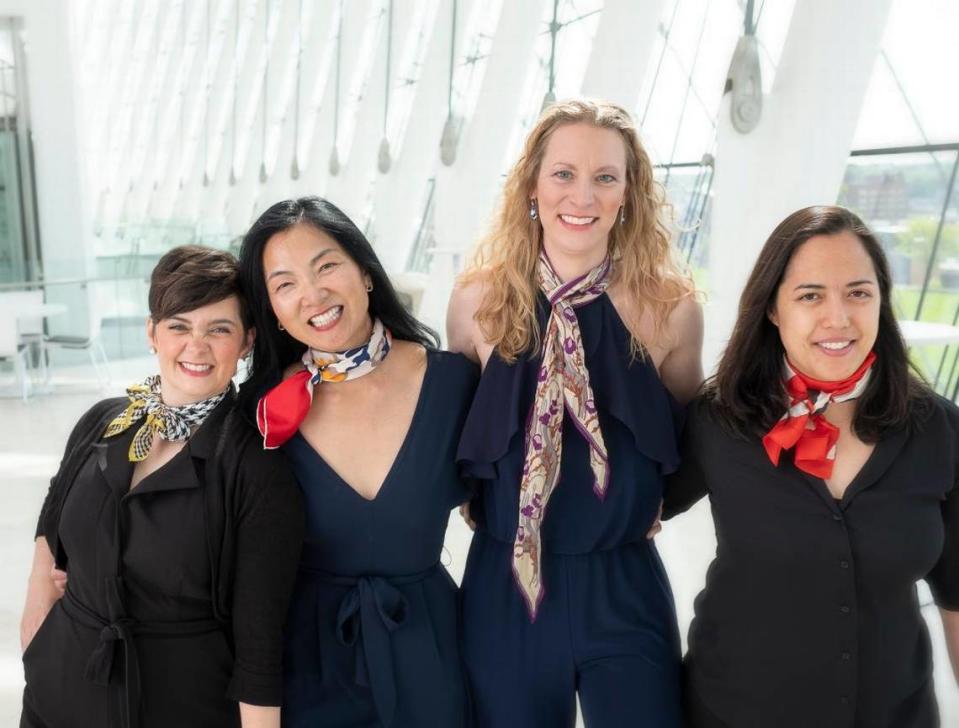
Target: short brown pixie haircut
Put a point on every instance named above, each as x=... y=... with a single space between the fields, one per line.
x=190 y=276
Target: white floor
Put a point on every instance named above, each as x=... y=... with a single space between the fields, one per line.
x=32 y=435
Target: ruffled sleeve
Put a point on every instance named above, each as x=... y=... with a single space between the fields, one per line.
x=626 y=389
x=634 y=394
x=494 y=417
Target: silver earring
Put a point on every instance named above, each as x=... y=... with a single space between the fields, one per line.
x=369 y=287
x=533 y=212
x=280 y=326
x=622 y=215
x=153 y=350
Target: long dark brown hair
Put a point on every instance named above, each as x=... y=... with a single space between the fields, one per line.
x=747 y=392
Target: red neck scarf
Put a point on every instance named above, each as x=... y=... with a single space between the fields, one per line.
x=804 y=426
x=281 y=410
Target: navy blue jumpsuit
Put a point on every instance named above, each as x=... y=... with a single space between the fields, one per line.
x=373 y=634
x=607 y=626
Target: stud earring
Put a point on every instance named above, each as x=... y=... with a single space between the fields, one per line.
x=533 y=211
x=622 y=215
x=369 y=287
x=153 y=350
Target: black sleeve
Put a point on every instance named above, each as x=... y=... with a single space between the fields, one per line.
x=269 y=536
x=688 y=484
x=943 y=580
x=86 y=430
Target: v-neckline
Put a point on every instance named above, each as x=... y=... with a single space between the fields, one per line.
x=404 y=445
x=879 y=460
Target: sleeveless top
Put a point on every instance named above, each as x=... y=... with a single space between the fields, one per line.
x=640 y=422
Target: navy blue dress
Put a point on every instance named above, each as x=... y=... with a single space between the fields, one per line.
x=373 y=633
x=607 y=626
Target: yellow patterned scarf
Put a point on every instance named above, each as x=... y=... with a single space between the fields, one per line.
x=171 y=423
x=562 y=386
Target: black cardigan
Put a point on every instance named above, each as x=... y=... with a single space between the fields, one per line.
x=255 y=524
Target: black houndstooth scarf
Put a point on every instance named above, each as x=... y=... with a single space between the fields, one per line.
x=171 y=423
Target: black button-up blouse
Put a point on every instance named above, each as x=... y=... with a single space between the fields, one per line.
x=810 y=615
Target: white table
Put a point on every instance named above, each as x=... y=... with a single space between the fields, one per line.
x=927 y=333
x=38 y=310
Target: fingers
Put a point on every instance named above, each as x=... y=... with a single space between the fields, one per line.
x=59 y=579
x=657 y=524
x=465 y=513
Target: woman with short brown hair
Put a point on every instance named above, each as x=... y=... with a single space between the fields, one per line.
x=179 y=535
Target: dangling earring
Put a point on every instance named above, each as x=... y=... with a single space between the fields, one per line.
x=533 y=212
x=622 y=214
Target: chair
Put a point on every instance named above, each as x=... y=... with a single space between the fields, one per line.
x=29 y=328
x=89 y=343
x=10 y=348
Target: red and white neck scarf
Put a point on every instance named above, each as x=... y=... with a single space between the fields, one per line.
x=804 y=427
x=281 y=410
x=563 y=385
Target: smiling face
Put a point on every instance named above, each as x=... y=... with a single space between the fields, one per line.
x=197 y=351
x=579 y=189
x=317 y=291
x=827 y=306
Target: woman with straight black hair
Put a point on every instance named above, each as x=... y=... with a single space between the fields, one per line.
x=369 y=412
x=831 y=472
x=275 y=349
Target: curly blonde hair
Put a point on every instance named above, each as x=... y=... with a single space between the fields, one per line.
x=505 y=260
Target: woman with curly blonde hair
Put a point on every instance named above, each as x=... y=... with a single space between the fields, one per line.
x=588 y=334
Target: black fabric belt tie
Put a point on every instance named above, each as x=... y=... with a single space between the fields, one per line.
x=120 y=632
x=367 y=617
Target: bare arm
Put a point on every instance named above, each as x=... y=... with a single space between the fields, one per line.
x=950 y=625
x=682 y=369
x=259 y=716
x=42 y=592
x=461 y=325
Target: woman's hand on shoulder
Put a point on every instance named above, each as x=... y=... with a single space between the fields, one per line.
x=682 y=369
x=462 y=329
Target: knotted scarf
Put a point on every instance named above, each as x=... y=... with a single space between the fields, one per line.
x=281 y=410
x=172 y=423
x=804 y=426
x=562 y=385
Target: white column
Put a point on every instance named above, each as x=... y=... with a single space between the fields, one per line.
x=466 y=192
x=362 y=94
x=621 y=51
x=400 y=194
x=63 y=209
x=797 y=155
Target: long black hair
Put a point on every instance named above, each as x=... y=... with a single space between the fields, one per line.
x=747 y=390
x=274 y=350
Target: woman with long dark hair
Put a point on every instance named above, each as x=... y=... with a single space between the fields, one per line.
x=831 y=471
x=369 y=412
